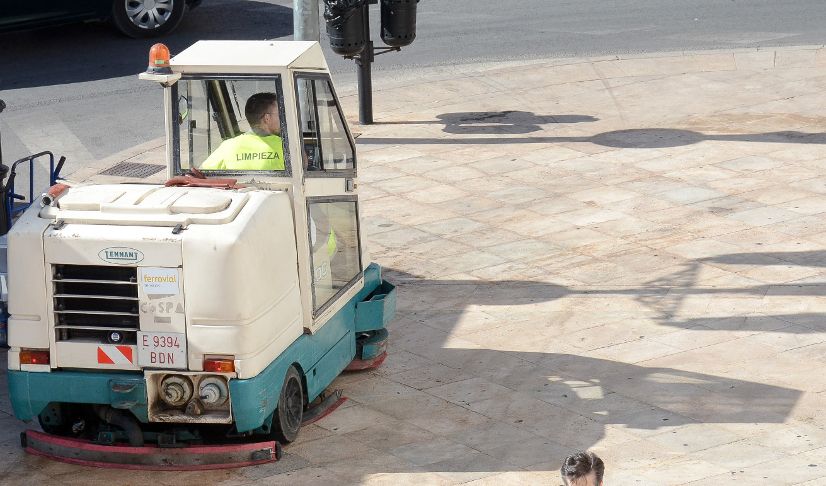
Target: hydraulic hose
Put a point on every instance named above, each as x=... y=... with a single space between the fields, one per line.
x=123 y=420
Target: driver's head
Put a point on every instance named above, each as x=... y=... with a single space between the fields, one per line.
x=261 y=111
x=582 y=469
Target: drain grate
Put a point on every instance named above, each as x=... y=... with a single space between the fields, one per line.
x=132 y=169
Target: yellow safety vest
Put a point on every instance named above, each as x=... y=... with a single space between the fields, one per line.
x=247 y=151
x=331 y=243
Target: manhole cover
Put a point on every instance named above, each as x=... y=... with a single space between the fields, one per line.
x=132 y=169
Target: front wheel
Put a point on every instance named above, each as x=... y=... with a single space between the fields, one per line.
x=147 y=18
x=287 y=419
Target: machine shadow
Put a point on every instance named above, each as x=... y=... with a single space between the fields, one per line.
x=92 y=51
x=642 y=138
x=813 y=258
x=498 y=122
x=540 y=404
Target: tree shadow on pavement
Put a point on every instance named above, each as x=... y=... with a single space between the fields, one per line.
x=521 y=122
x=92 y=51
x=521 y=403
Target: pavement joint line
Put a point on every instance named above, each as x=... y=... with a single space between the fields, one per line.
x=25 y=106
x=460 y=67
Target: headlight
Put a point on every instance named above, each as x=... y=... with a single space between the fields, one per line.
x=213 y=391
x=176 y=390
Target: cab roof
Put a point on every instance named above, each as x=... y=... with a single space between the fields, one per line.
x=217 y=56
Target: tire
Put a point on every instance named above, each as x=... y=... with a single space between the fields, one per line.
x=141 y=19
x=287 y=419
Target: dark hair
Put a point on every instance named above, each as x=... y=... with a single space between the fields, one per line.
x=579 y=465
x=258 y=105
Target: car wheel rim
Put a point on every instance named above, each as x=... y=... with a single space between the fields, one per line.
x=148 y=14
x=294 y=404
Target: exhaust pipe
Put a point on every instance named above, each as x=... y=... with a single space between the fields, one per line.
x=50 y=197
x=123 y=420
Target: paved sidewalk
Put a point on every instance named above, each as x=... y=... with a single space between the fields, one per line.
x=619 y=254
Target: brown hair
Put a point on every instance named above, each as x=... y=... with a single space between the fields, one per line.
x=257 y=106
x=580 y=464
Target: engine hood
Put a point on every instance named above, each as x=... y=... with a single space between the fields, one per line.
x=146 y=205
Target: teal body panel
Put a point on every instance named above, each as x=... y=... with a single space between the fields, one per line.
x=379 y=308
x=319 y=357
x=30 y=392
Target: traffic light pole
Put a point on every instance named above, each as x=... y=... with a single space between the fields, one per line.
x=364 y=61
x=364 y=65
x=305 y=20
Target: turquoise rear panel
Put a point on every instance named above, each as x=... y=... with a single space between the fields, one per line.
x=30 y=392
x=255 y=399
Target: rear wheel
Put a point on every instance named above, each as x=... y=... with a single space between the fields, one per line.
x=147 y=18
x=287 y=419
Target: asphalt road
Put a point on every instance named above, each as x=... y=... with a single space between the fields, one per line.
x=73 y=89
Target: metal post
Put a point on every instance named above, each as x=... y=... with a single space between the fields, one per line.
x=305 y=20
x=2 y=107
x=365 y=79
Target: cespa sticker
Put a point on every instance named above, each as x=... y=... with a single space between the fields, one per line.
x=160 y=281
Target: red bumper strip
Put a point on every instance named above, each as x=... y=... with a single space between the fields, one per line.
x=327 y=412
x=82 y=452
x=364 y=364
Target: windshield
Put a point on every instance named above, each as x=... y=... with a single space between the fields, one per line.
x=231 y=125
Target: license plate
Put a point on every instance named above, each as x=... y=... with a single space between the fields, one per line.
x=162 y=350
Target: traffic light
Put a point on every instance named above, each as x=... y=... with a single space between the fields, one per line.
x=398 y=22
x=345 y=25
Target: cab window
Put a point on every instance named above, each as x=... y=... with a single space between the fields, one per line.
x=231 y=126
x=328 y=147
x=335 y=255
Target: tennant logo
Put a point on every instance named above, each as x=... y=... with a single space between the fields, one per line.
x=121 y=255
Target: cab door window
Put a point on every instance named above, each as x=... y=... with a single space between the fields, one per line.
x=335 y=255
x=231 y=125
x=328 y=146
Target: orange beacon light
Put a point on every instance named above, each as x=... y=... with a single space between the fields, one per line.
x=159 y=60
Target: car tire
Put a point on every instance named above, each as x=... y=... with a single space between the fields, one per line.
x=287 y=419
x=142 y=19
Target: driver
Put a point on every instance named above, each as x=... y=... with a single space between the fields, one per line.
x=260 y=148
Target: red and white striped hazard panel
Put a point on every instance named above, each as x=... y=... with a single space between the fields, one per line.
x=118 y=355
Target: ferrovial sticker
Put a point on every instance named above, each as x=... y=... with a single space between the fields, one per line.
x=160 y=281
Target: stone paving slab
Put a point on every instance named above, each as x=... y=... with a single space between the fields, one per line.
x=620 y=254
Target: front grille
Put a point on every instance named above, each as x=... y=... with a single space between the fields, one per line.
x=91 y=302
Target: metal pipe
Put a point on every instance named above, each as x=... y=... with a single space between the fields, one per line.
x=305 y=20
x=2 y=107
x=123 y=420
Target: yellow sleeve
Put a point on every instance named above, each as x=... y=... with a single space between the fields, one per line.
x=215 y=161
